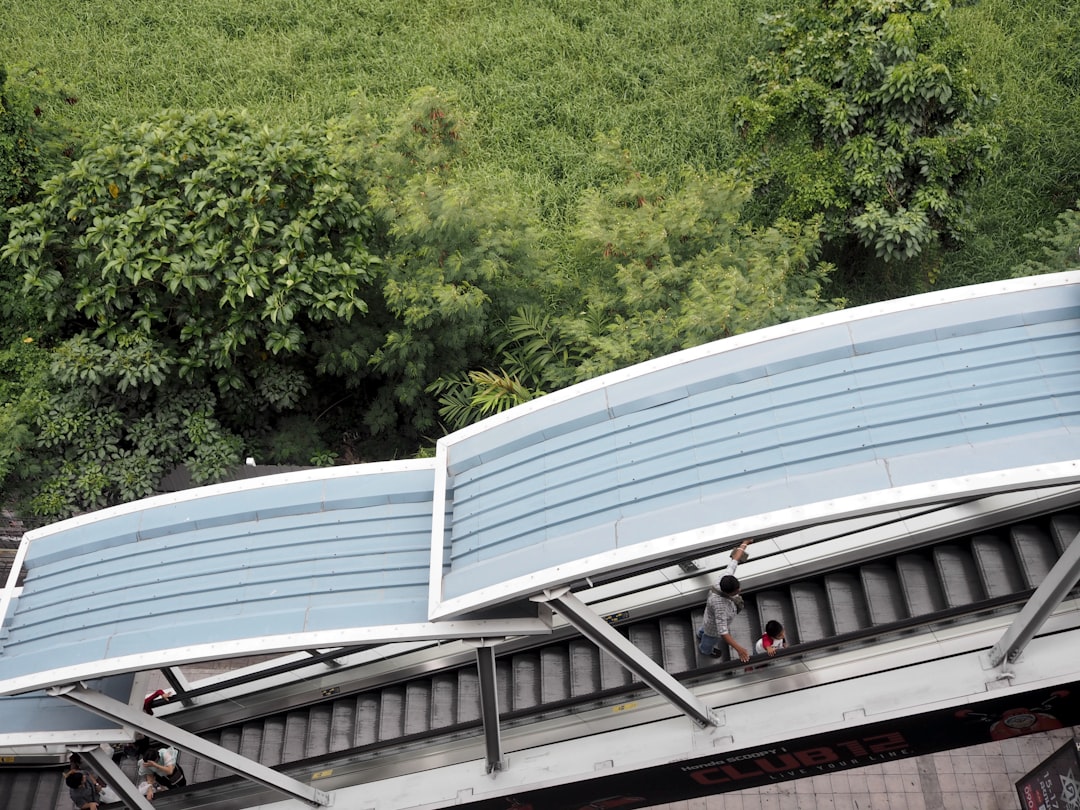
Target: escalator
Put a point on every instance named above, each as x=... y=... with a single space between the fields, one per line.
x=359 y=728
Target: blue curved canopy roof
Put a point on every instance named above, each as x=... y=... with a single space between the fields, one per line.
x=918 y=400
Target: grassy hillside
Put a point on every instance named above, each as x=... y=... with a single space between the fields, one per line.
x=542 y=77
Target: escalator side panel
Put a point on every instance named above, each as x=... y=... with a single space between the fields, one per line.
x=745 y=628
x=50 y=792
x=504 y=683
x=612 y=673
x=21 y=789
x=318 y=731
x=646 y=637
x=251 y=735
x=203 y=770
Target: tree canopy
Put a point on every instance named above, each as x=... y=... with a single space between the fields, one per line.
x=866 y=113
x=355 y=266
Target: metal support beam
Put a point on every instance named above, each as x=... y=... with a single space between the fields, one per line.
x=178 y=683
x=1059 y=581
x=114 y=710
x=103 y=764
x=489 y=707
x=331 y=663
x=611 y=641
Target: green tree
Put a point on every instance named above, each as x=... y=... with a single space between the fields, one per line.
x=460 y=251
x=192 y=261
x=864 y=112
x=663 y=265
x=1057 y=248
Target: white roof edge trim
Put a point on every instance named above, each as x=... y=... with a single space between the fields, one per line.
x=259 y=645
x=921 y=301
x=790 y=519
x=8 y=594
x=247 y=484
x=438 y=528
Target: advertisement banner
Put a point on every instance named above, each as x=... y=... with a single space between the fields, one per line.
x=856 y=746
x=1054 y=784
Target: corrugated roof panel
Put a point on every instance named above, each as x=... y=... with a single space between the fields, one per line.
x=798 y=417
x=264 y=558
x=34 y=715
x=793 y=417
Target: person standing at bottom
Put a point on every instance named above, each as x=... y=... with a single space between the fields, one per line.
x=721 y=606
x=83 y=791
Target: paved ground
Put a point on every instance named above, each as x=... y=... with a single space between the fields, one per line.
x=977 y=778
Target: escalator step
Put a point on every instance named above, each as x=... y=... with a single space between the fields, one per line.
x=469 y=696
x=444 y=700
x=391 y=713
x=847 y=603
x=920 y=585
x=997 y=566
x=1064 y=529
x=811 y=608
x=884 y=597
x=273 y=741
x=584 y=667
x=678 y=642
x=959 y=577
x=554 y=673
x=774 y=605
x=418 y=707
x=366 y=730
x=1035 y=553
x=342 y=721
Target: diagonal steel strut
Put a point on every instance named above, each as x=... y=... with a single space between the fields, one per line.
x=103 y=764
x=1059 y=581
x=122 y=713
x=489 y=707
x=611 y=641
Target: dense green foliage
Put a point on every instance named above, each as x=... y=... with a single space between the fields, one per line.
x=1028 y=53
x=219 y=287
x=542 y=76
x=183 y=257
x=664 y=264
x=865 y=113
x=353 y=265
